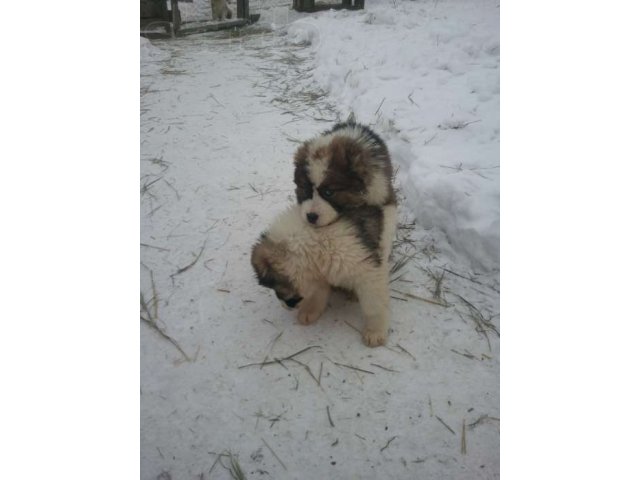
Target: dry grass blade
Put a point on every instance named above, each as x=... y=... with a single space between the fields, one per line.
x=400 y=264
x=447 y=426
x=145 y=307
x=149 y=320
x=389 y=443
x=271 y=345
x=329 y=416
x=215 y=463
x=280 y=360
x=353 y=368
x=187 y=267
x=155 y=295
x=306 y=367
x=409 y=225
x=460 y=275
x=274 y=453
x=466 y=355
x=477 y=317
x=380 y=106
x=155 y=327
x=463 y=444
x=154 y=247
x=234 y=466
x=236 y=471
x=356 y=329
x=384 y=368
x=479 y=328
x=405 y=350
x=481 y=420
x=145 y=188
x=473 y=280
x=172 y=188
x=416 y=297
x=437 y=293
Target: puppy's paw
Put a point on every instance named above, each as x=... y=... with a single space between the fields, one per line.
x=307 y=316
x=374 y=338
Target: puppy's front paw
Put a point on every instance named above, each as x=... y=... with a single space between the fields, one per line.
x=307 y=316
x=374 y=338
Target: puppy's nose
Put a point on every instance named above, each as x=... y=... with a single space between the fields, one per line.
x=312 y=217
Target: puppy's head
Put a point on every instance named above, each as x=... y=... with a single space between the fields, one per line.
x=335 y=172
x=267 y=260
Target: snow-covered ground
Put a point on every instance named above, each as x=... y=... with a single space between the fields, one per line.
x=221 y=116
x=430 y=72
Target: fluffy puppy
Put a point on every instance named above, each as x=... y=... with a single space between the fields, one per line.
x=341 y=231
x=220 y=9
x=301 y=263
x=345 y=168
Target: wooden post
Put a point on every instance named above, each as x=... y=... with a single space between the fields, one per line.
x=175 y=16
x=243 y=9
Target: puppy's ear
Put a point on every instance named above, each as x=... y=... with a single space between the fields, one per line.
x=302 y=154
x=358 y=158
x=265 y=258
x=261 y=257
x=349 y=155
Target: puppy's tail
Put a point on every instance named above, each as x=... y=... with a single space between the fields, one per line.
x=351 y=118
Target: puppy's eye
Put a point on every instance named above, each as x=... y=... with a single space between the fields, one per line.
x=326 y=192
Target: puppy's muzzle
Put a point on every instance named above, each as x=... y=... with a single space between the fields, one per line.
x=292 y=302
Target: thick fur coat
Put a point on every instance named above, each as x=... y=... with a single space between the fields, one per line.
x=341 y=232
x=301 y=263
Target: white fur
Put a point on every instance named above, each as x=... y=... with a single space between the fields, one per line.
x=317 y=168
x=220 y=9
x=378 y=189
x=318 y=258
x=326 y=213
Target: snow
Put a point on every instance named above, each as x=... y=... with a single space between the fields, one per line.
x=431 y=72
x=149 y=53
x=221 y=117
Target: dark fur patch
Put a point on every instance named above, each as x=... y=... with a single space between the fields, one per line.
x=347 y=172
x=304 y=187
x=263 y=255
x=376 y=141
x=368 y=221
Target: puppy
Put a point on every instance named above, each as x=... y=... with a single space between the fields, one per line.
x=342 y=236
x=220 y=9
x=301 y=263
x=346 y=167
